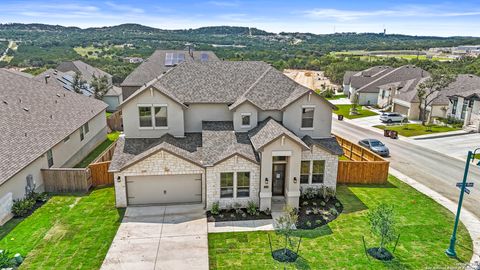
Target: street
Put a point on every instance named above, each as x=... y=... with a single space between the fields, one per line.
x=433 y=169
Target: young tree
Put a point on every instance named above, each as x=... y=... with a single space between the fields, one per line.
x=100 y=86
x=382 y=224
x=285 y=225
x=430 y=90
x=78 y=83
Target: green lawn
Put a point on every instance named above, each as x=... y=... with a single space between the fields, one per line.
x=409 y=130
x=345 y=111
x=68 y=232
x=337 y=97
x=111 y=137
x=107 y=114
x=425 y=229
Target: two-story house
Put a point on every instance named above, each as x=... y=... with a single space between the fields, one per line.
x=464 y=101
x=227 y=132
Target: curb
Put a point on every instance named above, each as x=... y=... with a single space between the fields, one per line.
x=471 y=222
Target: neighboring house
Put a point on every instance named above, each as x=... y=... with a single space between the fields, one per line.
x=464 y=101
x=158 y=63
x=43 y=126
x=133 y=60
x=365 y=85
x=227 y=132
x=66 y=71
x=353 y=80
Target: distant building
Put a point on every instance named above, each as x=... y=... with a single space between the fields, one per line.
x=133 y=60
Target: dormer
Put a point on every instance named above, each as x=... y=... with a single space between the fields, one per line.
x=245 y=117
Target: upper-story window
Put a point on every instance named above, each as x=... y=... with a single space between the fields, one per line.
x=86 y=128
x=82 y=135
x=50 y=158
x=307 y=116
x=246 y=117
x=153 y=115
x=161 y=116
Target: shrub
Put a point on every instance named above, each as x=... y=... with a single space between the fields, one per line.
x=314 y=203
x=38 y=197
x=6 y=260
x=333 y=211
x=323 y=203
x=309 y=193
x=318 y=222
x=308 y=223
x=239 y=211
x=329 y=193
x=22 y=207
x=252 y=208
x=316 y=211
x=337 y=205
x=244 y=215
x=305 y=203
x=215 y=208
x=267 y=211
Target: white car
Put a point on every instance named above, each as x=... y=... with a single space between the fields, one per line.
x=391 y=117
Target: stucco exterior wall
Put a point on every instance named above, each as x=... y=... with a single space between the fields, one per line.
x=331 y=166
x=277 y=115
x=234 y=164
x=370 y=99
x=131 y=122
x=237 y=117
x=322 y=119
x=160 y=163
x=196 y=113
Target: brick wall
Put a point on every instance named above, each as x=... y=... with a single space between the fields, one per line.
x=331 y=165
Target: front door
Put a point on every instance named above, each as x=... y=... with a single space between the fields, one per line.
x=278 y=185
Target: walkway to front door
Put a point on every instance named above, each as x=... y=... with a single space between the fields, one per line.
x=160 y=237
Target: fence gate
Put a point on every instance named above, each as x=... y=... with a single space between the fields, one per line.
x=100 y=174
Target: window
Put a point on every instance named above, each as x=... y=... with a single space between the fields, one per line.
x=454 y=107
x=161 y=116
x=66 y=139
x=82 y=136
x=464 y=109
x=243 y=184
x=383 y=93
x=279 y=158
x=307 y=117
x=145 y=116
x=304 y=172
x=86 y=128
x=246 y=119
x=50 y=158
x=318 y=171
x=226 y=185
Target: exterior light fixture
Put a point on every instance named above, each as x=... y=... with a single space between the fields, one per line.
x=266 y=181
x=294 y=180
x=118 y=179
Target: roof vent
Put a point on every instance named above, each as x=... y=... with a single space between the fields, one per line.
x=25 y=134
x=5 y=102
x=46 y=78
x=58 y=95
x=51 y=116
x=25 y=109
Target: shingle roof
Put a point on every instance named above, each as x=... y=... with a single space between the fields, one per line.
x=329 y=144
x=34 y=117
x=85 y=69
x=465 y=85
x=228 y=82
x=131 y=150
x=361 y=78
x=267 y=131
x=154 y=66
x=399 y=74
x=220 y=141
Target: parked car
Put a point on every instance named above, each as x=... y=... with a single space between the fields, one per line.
x=391 y=117
x=376 y=146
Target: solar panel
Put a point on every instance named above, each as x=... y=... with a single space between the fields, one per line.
x=204 y=57
x=180 y=57
x=169 y=59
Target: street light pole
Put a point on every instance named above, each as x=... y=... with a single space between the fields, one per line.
x=451 y=249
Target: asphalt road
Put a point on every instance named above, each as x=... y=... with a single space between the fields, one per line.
x=433 y=169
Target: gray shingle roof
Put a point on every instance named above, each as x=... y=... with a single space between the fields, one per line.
x=329 y=144
x=220 y=141
x=228 y=82
x=267 y=131
x=85 y=69
x=361 y=78
x=36 y=116
x=465 y=85
x=402 y=73
x=154 y=66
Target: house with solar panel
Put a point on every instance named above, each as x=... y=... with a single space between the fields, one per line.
x=201 y=130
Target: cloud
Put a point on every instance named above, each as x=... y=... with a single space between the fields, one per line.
x=404 y=11
x=223 y=3
x=126 y=8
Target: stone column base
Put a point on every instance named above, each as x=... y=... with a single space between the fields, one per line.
x=265 y=201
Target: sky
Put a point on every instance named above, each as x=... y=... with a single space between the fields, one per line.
x=432 y=18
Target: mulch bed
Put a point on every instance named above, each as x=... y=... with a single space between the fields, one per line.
x=233 y=215
x=316 y=212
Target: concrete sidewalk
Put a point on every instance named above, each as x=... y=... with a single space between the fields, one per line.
x=471 y=222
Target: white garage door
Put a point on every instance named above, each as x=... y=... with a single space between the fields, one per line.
x=400 y=109
x=164 y=189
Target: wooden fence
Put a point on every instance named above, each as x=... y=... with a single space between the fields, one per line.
x=100 y=174
x=364 y=166
x=107 y=154
x=115 y=121
x=67 y=179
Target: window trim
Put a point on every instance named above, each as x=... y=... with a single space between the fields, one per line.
x=236 y=186
x=307 y=174
x=152 y=111
x=249 y=120
x=86 y=128
x=313 y=117
x=138 y=115
x=322 y=174
x=227 y=187
x=153 y=116
x=50 y=158
x=82 y=135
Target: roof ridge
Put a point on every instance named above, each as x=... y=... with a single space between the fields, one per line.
x=379 y=78
x=244 y=95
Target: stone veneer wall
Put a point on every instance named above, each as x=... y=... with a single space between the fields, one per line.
x=160 y=163
x=233 y=164
x=331 y=166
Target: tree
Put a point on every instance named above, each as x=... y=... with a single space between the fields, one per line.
x=430 y=90
x=78 y=83
x=285 y=225
x=382 y=224
x=100 y=86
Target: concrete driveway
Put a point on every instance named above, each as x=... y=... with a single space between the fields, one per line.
x=160 y=237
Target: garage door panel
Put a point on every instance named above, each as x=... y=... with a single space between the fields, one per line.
x=400 y=109
x=164 y=189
